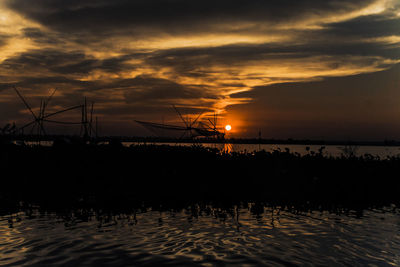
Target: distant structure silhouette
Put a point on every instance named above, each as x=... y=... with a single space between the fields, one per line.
x=87 y=130
x=192 y=129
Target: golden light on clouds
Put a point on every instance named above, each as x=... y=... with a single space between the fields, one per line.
x=393 y=39
x=11 y=24
x=203 y=61
x=376 y=7
x=204 y=40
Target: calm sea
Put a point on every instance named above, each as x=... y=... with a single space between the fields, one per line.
x=209 y=237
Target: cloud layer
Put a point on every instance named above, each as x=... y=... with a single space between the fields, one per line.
x=142 y=56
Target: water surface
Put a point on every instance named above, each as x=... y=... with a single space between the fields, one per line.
x=328 y=150
x=209 y=237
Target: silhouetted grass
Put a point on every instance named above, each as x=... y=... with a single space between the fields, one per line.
x=116 y=177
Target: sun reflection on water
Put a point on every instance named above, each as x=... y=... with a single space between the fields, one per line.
x=227 y=148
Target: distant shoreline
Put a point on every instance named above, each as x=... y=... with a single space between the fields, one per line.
x=255 y=141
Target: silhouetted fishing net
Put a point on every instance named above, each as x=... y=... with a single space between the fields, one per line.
x=165 y=130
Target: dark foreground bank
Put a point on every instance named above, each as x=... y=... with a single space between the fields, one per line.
x=124 y=178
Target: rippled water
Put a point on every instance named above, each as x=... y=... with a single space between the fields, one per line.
x=212 y=238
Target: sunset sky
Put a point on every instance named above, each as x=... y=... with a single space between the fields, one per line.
x=290 y=68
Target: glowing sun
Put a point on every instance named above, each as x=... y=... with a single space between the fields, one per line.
x=228 y=127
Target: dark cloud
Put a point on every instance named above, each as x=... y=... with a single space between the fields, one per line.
x=173 y=16
x=365 y=27
x=144 y=89
x=4 y=39
x=50 y=59
x=41 y=37
x=189 y=61
x=63 y=62
x=115 y=64
x=55 y=68
x=38 y=82
x=141 y=91
x=141 y=112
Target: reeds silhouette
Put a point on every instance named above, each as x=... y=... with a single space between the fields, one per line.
x=117 y=177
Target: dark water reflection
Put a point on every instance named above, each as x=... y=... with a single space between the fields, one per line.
x=210 y=237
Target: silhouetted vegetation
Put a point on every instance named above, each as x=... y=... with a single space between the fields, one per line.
x=173 y=177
